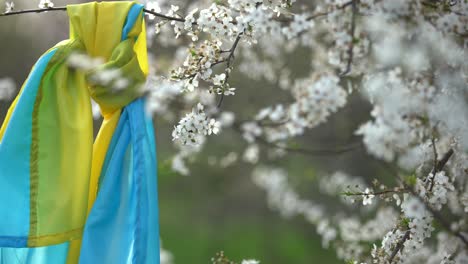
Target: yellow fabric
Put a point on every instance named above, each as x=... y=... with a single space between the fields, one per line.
x=141 y=50
x=108 y=32
x=96 y=29
x=64 y=163
x=60 y=121
x=99 y=154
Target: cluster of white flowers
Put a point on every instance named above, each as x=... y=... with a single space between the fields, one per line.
x=218 y=21
x=111 y=77
x=399 y=109
x=220 y=86
x=198 y=64
x=316 y=99
x=440 y=187
x=251 y=20
x=282 y=197
x=300 y=23
x=403 y=241
x=192 y=129
x=190 y=137
x=400 y=58
x=160 y=93
x=83 y=62
x=339 y=229
x=152 y=6
x=352 y=229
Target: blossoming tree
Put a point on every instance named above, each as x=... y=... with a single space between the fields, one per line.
x=408 y=59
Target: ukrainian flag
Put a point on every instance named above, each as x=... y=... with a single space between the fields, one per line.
x=63 y=197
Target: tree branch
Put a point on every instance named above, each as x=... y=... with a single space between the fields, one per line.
x=437 y=216
x=399 y=246
x=439 y=165
x=26 y=11
x=440 y=218
x=63 y=8
x=179 y=19
x=398 y=190
x=228 y=61
x=343 y=6
x=351 y=33
x=308 y=152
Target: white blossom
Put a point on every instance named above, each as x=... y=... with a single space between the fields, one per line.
x=192 y=129
x=154 y=7
x=367 y=197
x=7 y=88
x=441 y=187
x=251 y=154
x=83 y=62
x=44 y=4
x=300 y=24
x=165 y=257
x=250 y=261
x=9 y=7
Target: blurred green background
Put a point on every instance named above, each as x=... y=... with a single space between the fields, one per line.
x=216 y=209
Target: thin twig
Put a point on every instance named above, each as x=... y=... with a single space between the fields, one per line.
x=440 y=218
x=228 y=61
x=303 y=151
x=311 y=152
x=63 y=8
x=434 y=150
x=343 y=6
x=445 y=8
x=439 y=166
x=164 y=16
x=399 y=245
x=289 y=19
x=444 y=160
x=352 y=32
x=26 y=11
x=434 y=167
x=373 y=193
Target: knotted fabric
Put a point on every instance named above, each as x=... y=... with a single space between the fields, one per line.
x=63 y=197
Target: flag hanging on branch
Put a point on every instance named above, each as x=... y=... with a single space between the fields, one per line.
x=63 y=197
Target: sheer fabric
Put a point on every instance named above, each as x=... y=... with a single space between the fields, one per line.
x=63 y=197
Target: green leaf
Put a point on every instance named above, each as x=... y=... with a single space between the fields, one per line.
x=405 y=222
x=411 y=180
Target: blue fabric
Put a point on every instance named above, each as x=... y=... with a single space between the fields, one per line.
x=16 y=142
x=56 y=254
x=122 y=226
x=132 y=16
